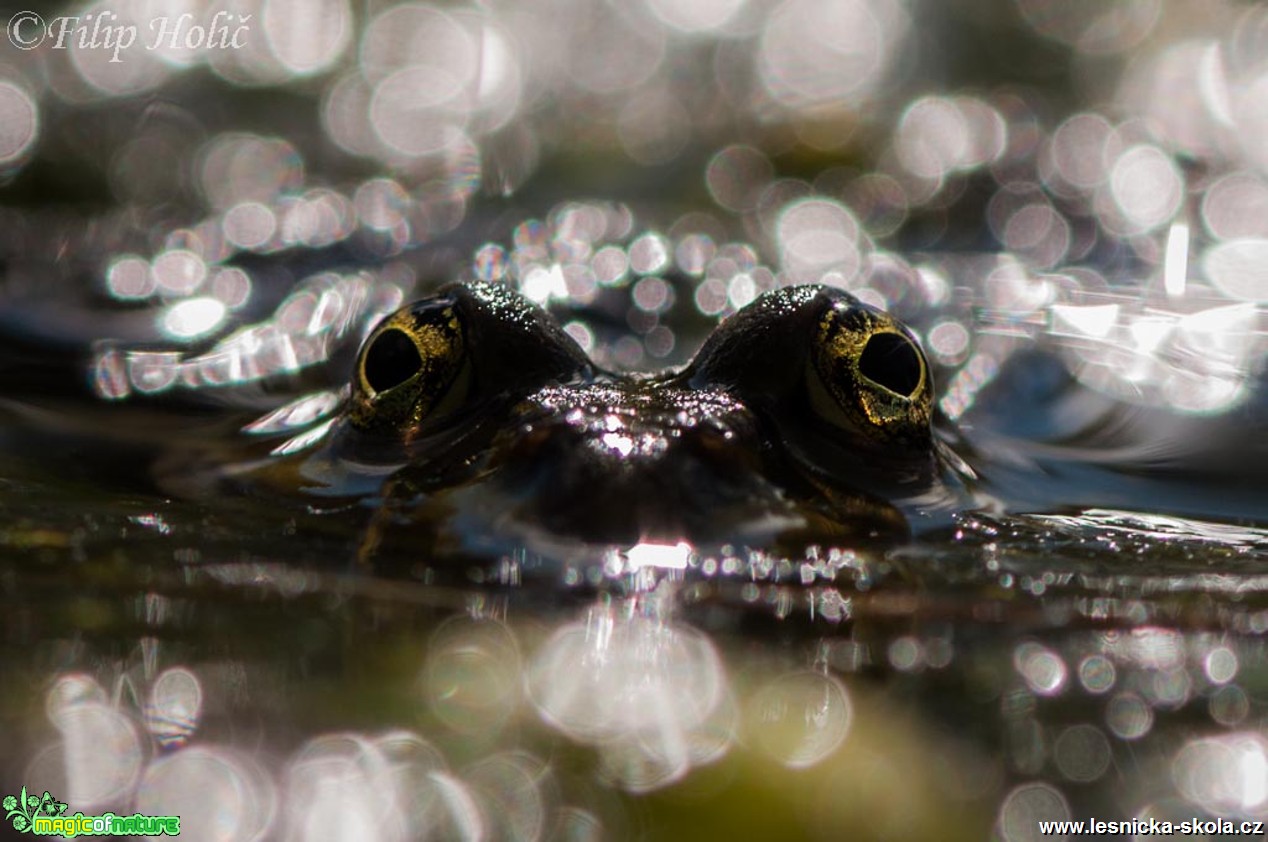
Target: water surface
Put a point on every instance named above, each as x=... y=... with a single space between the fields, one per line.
x=193 y=246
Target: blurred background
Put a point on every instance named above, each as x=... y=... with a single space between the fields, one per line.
x=207 y=203
x=1107 y=158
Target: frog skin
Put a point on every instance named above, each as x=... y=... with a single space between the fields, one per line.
x=798 y=423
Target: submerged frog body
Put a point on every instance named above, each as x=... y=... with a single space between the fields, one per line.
x=798 y=422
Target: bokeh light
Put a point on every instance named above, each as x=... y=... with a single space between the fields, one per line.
x=20 y=118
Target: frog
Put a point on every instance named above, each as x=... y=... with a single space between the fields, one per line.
x=806 y=419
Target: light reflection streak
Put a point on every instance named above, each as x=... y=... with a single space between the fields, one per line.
x=299 y=413
x=1176 y=264
x=1093 y=320
x=1164 y=527
x=306 y=328
x=192 y=318
x=662 y=556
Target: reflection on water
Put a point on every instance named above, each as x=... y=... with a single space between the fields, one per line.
x=648 y=697
x=1100 y=682
x=653 y=697
x=1067 y=202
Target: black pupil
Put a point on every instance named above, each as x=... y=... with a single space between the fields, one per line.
x=891 y=361
x=391 y=360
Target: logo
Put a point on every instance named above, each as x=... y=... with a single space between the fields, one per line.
x=24 y=809
x=44 y=815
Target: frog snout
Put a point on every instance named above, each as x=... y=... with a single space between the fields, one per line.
x=627 y=482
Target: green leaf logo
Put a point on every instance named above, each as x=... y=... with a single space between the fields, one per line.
x=21 y=810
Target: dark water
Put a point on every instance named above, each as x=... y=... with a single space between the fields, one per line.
x=185 y=253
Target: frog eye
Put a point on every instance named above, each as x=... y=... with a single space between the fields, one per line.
x=408 y=366
x=870 y=376
x=892 y=360
x=390 y=359
x=468 y=352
